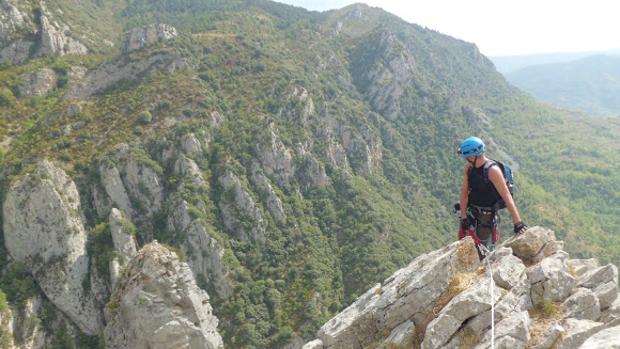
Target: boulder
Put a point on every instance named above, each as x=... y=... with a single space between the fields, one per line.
x=608 y=338
x=577 y=331
x=599 y=276
x=510 y=333
x=582 y=304
x=606 y=293
x=550 y=280
x=531 y=246
x=157 y=305
x=507 y=271
x=43 y=229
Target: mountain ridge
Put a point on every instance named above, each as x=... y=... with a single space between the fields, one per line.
x=292 y=166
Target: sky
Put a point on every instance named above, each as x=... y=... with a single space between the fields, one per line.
x=507 y=27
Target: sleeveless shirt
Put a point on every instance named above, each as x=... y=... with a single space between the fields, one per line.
x=481 y=193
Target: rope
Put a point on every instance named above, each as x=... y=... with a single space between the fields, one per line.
x=486 y=253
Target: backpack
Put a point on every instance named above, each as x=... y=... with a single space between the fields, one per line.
x=507 y=171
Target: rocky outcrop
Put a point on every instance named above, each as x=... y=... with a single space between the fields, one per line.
x=203 y=253
x=38 y=83
x=411 y=294
x=43 y=230
x=55 y=39
x=239 y=212
x=276 y=159
x=157 y=305
x=125 y=69
x=124 y=241
x=438 y=303
x=138 y=38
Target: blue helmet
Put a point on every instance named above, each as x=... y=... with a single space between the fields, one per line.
x=472 y=146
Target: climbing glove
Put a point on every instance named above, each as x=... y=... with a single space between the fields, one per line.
x=520 y=228
x=465 y=223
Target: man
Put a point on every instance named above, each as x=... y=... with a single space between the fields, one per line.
x=480 y=196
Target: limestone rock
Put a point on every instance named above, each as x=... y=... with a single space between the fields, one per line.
x=43 y=229
x=577 y=331
x=187 y=167
x=593 y=278
x=38 y=83
x=138 y=38
x=239 y=204
x=510 y=333
x=553 y=333
x=191 y=145
x=608 y=338
x=471 y=302
x=402 y=336
x=275 y=158
x=410 y=293
x=550 y=280
x=311 y=173
x=507 y=271
x=124 y=242
x=578 y=267
x=124 y=68
x=55 y=41
x=157 y=305
x=265 y=189
x=315 y=344
x=582 y=304
x=114 y=187
x=606 y=293
x=530 y=245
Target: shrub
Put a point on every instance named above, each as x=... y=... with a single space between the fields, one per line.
x=145 y=117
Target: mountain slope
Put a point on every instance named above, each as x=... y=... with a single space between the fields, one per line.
x=590 y=84
x=292 y=158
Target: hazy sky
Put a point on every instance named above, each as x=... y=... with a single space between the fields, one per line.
x=502 y=27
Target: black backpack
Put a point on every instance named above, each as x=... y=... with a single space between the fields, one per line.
x=507 y=171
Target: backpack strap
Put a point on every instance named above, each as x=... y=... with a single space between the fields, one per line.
x=485 y=170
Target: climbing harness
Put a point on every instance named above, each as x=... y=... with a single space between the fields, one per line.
x=486 y=253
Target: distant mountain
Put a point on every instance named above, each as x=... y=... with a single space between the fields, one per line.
x=591 y=84
x=510 y=64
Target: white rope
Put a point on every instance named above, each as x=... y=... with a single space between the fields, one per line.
x=486 y=253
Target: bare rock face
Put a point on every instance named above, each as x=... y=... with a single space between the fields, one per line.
x=439 y=303
x=238 y=204
x=204 y=254
x=38 y=83
x=276 y=158
x=408 y=295
x=124 y=68
x=43 y=229
x=56 y=41
x=157 y=305
x=138 y=38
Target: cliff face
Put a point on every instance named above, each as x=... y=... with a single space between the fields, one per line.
x=156 y=304
x=537 y=295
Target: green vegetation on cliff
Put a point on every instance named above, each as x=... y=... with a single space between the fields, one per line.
x=369 y=110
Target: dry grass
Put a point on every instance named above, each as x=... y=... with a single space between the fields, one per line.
x=468 y=338
x=543 y=316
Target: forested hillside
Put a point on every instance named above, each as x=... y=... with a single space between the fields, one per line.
x=292 y=158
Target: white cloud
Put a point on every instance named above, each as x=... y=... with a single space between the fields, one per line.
x=501 y=27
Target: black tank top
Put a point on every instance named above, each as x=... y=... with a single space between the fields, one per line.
x=481 y=193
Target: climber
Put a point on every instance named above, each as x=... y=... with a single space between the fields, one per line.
x=481 y=196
